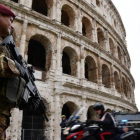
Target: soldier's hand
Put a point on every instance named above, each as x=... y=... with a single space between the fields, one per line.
x=34 y=103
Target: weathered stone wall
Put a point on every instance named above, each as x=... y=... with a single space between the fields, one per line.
x=95 y=37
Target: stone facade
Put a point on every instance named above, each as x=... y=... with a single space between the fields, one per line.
x=83 y=59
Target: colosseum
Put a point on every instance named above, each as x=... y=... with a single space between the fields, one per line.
x=79 y=52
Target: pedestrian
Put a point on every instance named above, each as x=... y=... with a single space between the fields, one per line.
x=63 y=125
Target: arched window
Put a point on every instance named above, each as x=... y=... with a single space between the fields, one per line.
x=123 y=57
x=119 y=54
x=68 y=109
x=36 y=54
x=69 y=61
x=101 y=37
x=86 y=27
x=39 y=52
x=40 y=6
x=66 y=64
x=98 y=3
x=128 y=89
x=68 y=16
x=112 y=47
x=15 y=1
x=90 y=69
x=106 y=76
x=124 y=86
x=117 y=82
x=65 y=18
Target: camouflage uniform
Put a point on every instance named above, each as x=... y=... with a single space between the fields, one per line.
x=7 y=70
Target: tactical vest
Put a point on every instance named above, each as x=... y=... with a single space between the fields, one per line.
x=11 y=84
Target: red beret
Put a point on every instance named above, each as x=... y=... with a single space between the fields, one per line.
x=7 y=11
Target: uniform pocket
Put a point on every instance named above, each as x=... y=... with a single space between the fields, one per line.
x=15 y=89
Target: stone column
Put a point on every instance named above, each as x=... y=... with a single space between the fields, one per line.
x=79 y=21
x=15 y=127
x=94 y=31
x=76 y=23
x=99 y=71
x=58 y=12
x=84 y=103
x=128 y=89
x=78 y=69
x=112 y=77
x=82 y=69
x=59 y=53
x=57 y=118
x=106 y=42
x=122 y=92
x=53 y=61
x=115 y=50
x=21 y=2
x=23 y=38
x=133 y=96
x=27 y=3
x=93 y=2
x=103 y=9
x=54 y=10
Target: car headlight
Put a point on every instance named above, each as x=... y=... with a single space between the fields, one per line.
x=66 y=131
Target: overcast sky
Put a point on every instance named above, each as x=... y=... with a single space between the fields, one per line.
x=130 y=13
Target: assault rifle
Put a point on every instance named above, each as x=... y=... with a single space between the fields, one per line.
x=26 y=73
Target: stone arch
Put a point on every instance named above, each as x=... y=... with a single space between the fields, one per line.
x=86 y=27
x=112 y=47
x=91 y=114
x=67 y=16
x=69 y=61
x=98 y=3
x=124 y=86
x=40 y=52
x=68 y=108
x=90 y=69
x=101 y=37
x=119 y=53
x=117 y=81
x=106 y=76
x=15 y=1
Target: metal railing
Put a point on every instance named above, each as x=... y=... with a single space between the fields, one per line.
x=35 y=134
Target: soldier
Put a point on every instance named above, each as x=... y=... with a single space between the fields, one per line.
x=6 y=27
x=9 y=74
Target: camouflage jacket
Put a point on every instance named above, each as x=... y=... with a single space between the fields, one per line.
x=7 y=70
